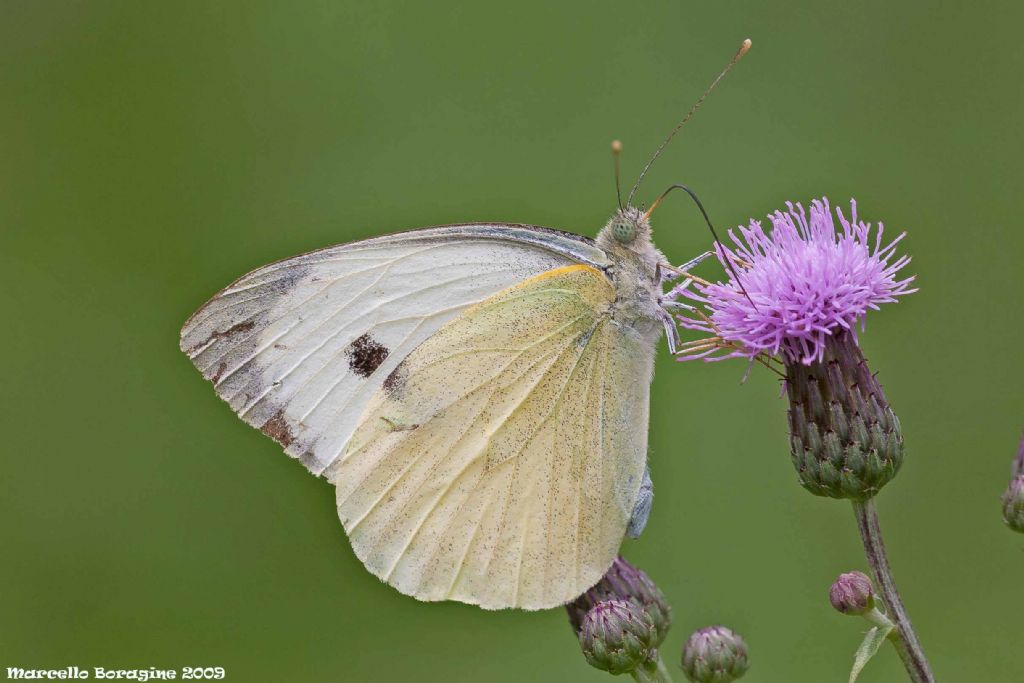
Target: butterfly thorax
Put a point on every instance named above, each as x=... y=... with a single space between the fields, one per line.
x=626 y=238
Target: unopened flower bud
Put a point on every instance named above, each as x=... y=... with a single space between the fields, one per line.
x=852 y=593
x=845 y=439
x=714 y=655
x=1013 y=498
x=1013 y=504
x=623 y=581
x=617 y=636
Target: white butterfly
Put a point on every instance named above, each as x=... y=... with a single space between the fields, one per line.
x=478 y=395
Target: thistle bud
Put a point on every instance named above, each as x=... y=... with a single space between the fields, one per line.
x=845 y=439
x=1013 y=504
x=1013 y=498
x=714 y=655
x=852 y=593
x=617 y=636
x=623 y=581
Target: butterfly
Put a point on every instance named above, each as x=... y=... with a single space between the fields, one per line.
x=478 y=395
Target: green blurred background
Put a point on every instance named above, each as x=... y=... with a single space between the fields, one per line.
x=152 y=152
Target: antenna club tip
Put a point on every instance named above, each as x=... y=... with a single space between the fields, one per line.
x=745 y=46
x=616 y=146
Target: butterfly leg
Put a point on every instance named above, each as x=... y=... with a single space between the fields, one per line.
x=642 y=509
x=693 y=263
x=664 y=272
x=671 y=331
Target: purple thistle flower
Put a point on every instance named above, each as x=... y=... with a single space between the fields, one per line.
x=805 y=283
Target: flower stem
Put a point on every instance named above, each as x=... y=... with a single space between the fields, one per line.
x=879 y=619
x=652 y=672
x=905 y=641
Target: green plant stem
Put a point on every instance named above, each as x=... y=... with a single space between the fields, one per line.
x=879 y=619
x=904 y=637
x=653 y=672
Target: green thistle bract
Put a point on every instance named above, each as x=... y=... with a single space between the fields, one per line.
x=617 y=636
x=845 y=440
x=715 y=655
x=623 y=581
x=1013 y=504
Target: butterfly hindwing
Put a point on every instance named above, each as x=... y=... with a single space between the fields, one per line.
x=298 y=347
x=498 y=464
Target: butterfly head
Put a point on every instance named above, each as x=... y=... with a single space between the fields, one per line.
x=627 y=230
x=627 y=227
x=624 y=230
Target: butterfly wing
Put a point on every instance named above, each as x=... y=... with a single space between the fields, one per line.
x=499 y=463
x=298 y=347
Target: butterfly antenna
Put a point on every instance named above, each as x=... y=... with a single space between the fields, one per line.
x=714 y=233
x=693 y=110
x=616 y=152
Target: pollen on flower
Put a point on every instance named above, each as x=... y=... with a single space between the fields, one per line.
x=790 y=289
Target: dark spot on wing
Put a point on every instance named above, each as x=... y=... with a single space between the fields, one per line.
x=365 y=355
x=277 y=429
x=233 y=330
x=220 y=371
x=395 y=382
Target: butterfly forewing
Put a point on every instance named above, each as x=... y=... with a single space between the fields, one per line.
x=298 y=347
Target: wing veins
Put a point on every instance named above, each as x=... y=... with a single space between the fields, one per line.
x=575 y=465
x=518 y=352
x=551 y=472
x=457 y=400
x=333 y=386
x=256 y=354
x=270 y=387
x=331 y=280
x=522 y=544
x=557 y=401
x=291 y=309
x=289 y=263
x=341 y=330
x=481 y=452
x=526 y=442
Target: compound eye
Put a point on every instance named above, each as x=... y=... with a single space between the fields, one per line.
x=624 y=231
